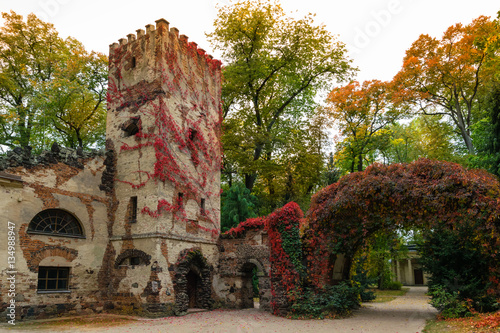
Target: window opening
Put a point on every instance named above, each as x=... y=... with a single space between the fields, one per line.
x=202 y=206
x=134 y=261
x=55 y=221
x=53 y=278
x=133 y=210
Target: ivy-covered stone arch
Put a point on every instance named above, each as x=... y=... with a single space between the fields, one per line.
x=424 y=194
x=192 y=261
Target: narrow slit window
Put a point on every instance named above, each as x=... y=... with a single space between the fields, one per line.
x=202 y=206
x=180 y=199
x=133 y=210
x=133 y=62
x=192 y=134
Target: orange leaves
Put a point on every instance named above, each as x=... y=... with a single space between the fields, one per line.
x=442 y=76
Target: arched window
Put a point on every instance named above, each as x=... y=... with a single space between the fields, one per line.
x=55 y=222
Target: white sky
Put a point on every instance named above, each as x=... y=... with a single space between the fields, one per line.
x=377 y=32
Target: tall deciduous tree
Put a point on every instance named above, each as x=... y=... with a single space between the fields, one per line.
x=275 y=67
x=50 y=88
x=444 y=76
x=361 y=112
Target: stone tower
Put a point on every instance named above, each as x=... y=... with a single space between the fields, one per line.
x=163 y=126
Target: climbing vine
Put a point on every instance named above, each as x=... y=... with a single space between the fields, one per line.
x=425 y=194
x=287 y=269
x=190 y=128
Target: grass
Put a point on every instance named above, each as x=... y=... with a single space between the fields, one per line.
x=482 y=323
x=441 y=326
x=94 y=321
x=383 y=296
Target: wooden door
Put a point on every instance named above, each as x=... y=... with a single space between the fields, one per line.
x=192 y=289
x=419 y=276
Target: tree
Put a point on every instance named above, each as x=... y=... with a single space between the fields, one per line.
x=455 y=262
x=237 y=205
x=293 y=171
x=444 y=77
x=361 y=112
x=486 y=131
x=50 y=88
x=275 y=67
x=75 y=98
x=427 y=136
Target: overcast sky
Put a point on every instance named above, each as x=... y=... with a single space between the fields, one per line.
x=377 y=32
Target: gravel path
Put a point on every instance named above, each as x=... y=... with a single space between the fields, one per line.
x=404 y=314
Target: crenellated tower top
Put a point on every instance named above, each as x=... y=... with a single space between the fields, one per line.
x=164 y=123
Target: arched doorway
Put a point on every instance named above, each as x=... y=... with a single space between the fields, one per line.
x=249 y=286
x=193 y=279
x=192 y=283
x=255 y=288
x=440 y=198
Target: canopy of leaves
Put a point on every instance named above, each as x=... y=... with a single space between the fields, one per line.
x=427 y=136
x=424 y=194
x=362 y=113
x=445 y=76
x=275 y=67
x=50 y=88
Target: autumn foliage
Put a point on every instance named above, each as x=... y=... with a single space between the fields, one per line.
x=287 y=270
x=423 y=194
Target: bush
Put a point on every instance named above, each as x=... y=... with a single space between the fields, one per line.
x=458 y=270
x=449 y=304
x=392 y=285
x=361 y=280
x=331 y=301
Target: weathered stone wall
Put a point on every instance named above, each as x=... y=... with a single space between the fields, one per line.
x=163 y=126
x=238 y=256
x=149 y=207
x=66 y=180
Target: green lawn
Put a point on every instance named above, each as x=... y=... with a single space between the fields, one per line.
x=388 y=295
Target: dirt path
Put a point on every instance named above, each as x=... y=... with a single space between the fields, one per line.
x=404 y=314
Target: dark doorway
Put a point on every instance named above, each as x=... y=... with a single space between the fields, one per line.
x=193 y=284
x=419 y=276
x=249 y=287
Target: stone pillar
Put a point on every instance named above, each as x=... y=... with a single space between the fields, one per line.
x=409 y=275
x=398 y=271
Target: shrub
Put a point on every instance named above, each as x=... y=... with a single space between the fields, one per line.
x=392 y=285
x=459 y=270
x=449 y=304
x=361 y=280
x=331 y=301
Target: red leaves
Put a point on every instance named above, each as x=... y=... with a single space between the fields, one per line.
x=176 y=130
x=425 y=193
x=240 y=229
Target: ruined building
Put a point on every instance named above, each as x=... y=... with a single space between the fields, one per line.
x=136 y=228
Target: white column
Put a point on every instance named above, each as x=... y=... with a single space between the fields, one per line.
x=410 y=276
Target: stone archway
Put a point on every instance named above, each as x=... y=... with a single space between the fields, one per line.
x=247 y=293
x=425 y=194
x=192 y=283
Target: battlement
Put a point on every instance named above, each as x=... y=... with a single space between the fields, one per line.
x=156 y=33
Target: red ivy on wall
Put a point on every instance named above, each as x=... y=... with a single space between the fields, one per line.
x=172 y=138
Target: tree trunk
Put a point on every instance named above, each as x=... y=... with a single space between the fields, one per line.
x=250 y=180
x=360 y=162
